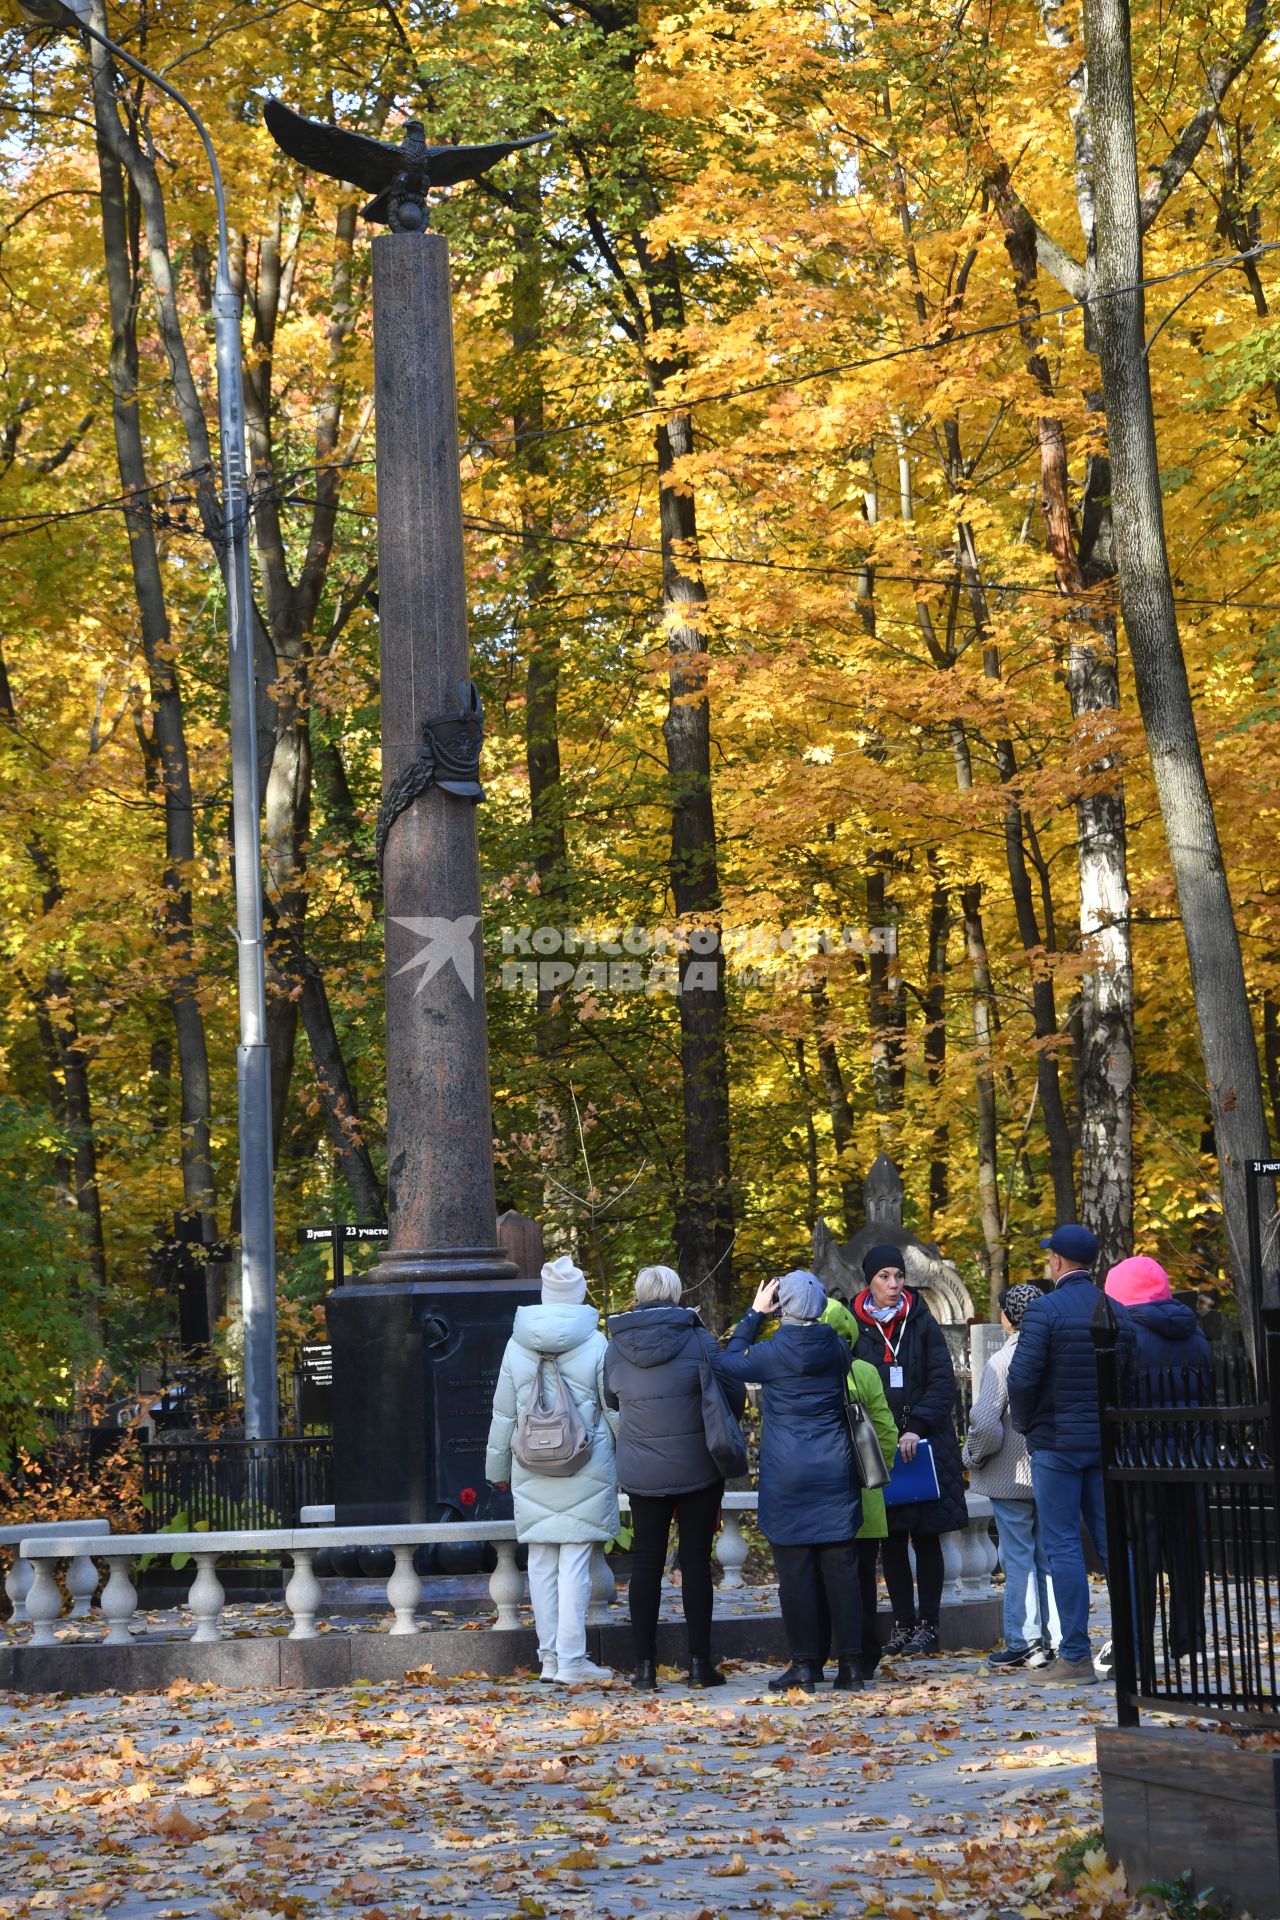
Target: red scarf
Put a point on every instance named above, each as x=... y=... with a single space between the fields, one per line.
x=883 y=1327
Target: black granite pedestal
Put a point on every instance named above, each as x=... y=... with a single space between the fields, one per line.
x=414 y=1370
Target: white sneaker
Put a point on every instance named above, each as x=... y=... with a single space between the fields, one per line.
x=578 y=1673
x=550 y=1668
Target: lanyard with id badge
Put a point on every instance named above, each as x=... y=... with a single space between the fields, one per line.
x=896 y=1376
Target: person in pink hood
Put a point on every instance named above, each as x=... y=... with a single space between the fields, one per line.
x=1169 y=1335
x=1175 y=1369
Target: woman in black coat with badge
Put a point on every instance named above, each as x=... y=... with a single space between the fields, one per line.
x=810 y=1496
x=902 y=1340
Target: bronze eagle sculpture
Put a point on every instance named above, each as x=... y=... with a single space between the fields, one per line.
x=398 y=177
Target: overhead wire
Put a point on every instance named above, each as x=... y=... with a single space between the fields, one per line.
x=612 y=549
x=23 y=524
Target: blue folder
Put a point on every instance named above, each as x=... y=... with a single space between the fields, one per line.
x=912 y=1480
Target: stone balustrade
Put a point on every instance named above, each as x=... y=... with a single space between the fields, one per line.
x=206 y=1598
x=82 y=1574
x=970 y=1559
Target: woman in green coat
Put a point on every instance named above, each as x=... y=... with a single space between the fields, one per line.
x=866 y=1386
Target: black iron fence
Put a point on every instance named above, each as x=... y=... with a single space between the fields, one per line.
x=226 y=1485
x=1192 y=1485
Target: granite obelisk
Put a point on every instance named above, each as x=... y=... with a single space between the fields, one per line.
x=417 y=1340
x=439 y=1160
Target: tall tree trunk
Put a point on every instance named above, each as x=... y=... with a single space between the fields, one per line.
x=886 y=997
x=935 y=1046
x=1146 y=599
x=547 y=813
x=985 y=1089
x=810 y=1140
x=338 y=1095
x=838 y=1105
x=1105 y=1060
x=1107 y=1063
x=1043 y=999
x=165 y=740
x=987 y=1127
x=66 y=1069
x=982 y=995
x=704 y=1228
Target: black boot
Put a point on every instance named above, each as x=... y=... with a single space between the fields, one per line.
x=800 y=1674
x=703 y=1672
x=645 y=1679
x=848 y=1679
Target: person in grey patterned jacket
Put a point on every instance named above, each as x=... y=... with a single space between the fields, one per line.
x=1000 y=1467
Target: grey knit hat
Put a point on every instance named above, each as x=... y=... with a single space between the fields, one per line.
x=801 y=1295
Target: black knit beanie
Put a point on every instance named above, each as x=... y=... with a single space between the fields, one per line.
x=876 y=1257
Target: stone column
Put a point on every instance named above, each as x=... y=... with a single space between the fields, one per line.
x=439 y=1128
x=417 y=1340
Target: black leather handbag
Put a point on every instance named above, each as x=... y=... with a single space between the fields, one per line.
x=867 y=1455
x=724 y=1438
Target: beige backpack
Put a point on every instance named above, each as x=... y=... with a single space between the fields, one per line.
x=550 y=1439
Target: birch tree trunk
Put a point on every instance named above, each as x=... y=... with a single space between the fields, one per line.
x=1105 y=1062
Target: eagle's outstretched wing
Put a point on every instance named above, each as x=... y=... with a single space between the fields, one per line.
x=327 y=149
x=447 y=166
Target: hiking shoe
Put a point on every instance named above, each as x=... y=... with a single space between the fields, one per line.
x=1005 y=1659
x=578 y=1673
x=923 y=1643
x=1068 y=1673
x=899 y=1639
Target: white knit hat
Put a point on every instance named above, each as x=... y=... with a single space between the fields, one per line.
x=562 y=1282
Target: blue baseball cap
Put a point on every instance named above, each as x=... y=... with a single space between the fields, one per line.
x=1073 y=1243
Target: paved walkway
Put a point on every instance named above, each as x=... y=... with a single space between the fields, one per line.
x=940 y=1792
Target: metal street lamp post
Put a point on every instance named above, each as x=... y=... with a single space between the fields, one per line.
x=253 y=1060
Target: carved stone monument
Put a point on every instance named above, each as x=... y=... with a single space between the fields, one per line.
x=839 y=1266
x=417 y=1340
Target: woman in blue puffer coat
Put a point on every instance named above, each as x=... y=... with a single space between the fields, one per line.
x=810 y=1501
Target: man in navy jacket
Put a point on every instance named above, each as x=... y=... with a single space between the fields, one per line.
x=1053 y=1400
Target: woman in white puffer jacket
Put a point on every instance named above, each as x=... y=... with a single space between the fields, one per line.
x=560 y=1519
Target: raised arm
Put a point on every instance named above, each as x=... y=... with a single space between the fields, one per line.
x=745 y=1358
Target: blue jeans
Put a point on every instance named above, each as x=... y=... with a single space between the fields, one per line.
x=1068 y=1489
x=1030 y=1614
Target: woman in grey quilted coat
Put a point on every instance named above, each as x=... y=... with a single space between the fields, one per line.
x=1000 y=1466
x=560 y=1518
